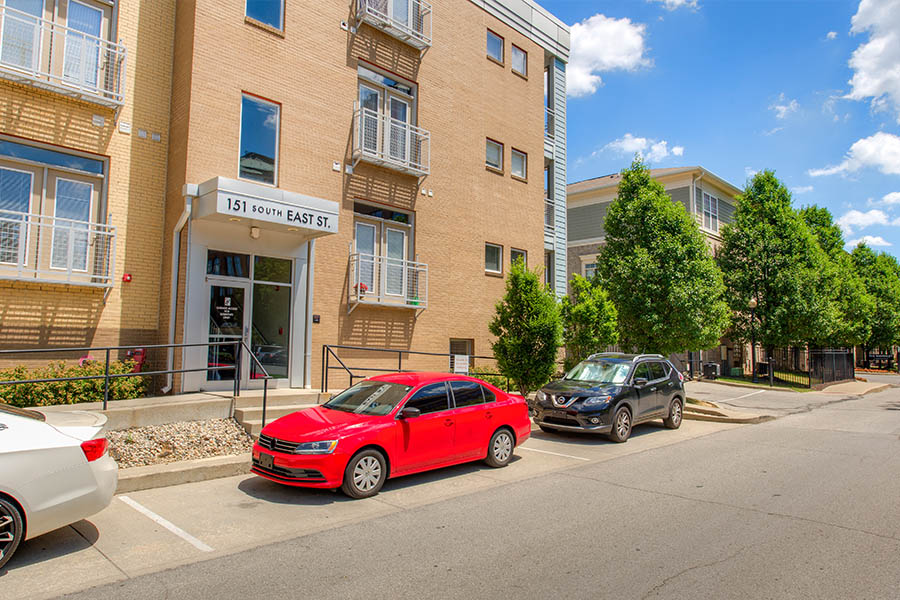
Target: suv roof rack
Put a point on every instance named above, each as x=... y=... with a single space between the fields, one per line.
x=649 y=356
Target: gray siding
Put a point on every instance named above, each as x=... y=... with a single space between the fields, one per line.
x=726 y=212
x=558 y=242
x=683 y=195
x=586 y=222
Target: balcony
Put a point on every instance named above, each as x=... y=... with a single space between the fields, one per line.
x=407 y=20
x=386 y=281
x=549 y=124
x=382 y=140
x=549 y=216
x=38 y=248
x=49 y=56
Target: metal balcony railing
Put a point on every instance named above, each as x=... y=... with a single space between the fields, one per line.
x=549 y=215
x=385 y=141
x=406 y=20
x=55 y=250
x=549 y=123
x=387 y=281
x=47 y=55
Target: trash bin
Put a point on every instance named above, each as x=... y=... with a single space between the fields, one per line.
x=711 y=370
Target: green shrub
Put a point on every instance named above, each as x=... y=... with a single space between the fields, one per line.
x=484 y=373
x=69 y=392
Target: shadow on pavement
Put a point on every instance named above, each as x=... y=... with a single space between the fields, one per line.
x=66 y=540
x=574 y=438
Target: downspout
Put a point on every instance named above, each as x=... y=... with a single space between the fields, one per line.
x=190 y=192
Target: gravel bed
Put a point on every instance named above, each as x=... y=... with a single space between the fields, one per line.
x=158 y=444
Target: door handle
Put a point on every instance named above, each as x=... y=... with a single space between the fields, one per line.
x=448 y=422
x=488 y=415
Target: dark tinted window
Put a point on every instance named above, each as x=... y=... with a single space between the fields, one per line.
x=466 y=393
x=489 y=396
x=369 y=398
x=642 y=371
x=430 y=398
x=657 y=371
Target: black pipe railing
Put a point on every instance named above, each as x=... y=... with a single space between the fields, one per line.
x=328 y=351
x=238 y=345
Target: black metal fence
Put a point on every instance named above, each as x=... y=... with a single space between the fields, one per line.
x=809 y=367
x=830 y=364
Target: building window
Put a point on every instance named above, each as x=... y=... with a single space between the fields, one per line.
x=270 y=12
x=494 y=155
x=494 y=46
x=493 y=258
x=259 y=139
x=381 y=239
x=461 y=347
x=516 y=254
x=710 y=212
x=548 y=268
x=519 y=61
x=519 y=166
x=590 y=270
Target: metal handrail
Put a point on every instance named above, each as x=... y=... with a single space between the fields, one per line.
x=239 y=345
x=328 y=351
x=416 y=31
x=374 y=140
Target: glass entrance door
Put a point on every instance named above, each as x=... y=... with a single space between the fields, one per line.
x=228 y=321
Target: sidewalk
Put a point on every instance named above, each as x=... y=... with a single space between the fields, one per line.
x=856 y=388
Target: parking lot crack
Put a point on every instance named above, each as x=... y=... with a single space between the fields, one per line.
x=656 y=589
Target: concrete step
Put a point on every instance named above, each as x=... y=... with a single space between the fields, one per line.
x=272 y=412
x=246 y=400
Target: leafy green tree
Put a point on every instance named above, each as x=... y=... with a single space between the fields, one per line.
x=659 y=271
x=589 y=320
x=881 y=275
x=768 y=253
x=852 y=301
x=528 y=330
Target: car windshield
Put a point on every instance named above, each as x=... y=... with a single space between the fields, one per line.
x=600 y=371
x=21 y=412
x=369 y=398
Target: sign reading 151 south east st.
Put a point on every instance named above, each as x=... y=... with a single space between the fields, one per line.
x=248 y=207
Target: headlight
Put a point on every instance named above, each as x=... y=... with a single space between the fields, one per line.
x=325 y=447
x=597 y=400
x=540 y=396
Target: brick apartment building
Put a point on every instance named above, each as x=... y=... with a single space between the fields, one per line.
x=286 y=173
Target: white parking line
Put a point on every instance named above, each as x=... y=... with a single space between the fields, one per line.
x=553 y=453
x=170 y=526
x=745 y=395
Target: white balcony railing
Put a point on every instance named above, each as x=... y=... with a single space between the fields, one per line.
x=50 y=56
x=387 y=281
x=549 y=123
x=406 y=20
x=56 y=250
x=382 y=140
x=549 y=215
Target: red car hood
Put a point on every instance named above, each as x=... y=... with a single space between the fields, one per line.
x=318 y=423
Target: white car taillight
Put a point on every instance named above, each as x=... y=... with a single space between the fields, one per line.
x=94 y=449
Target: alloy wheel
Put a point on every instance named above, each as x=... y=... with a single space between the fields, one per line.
x=367 y=473
x=623 y=423
x=502 y=447
x=676 y=413
x=8 y=532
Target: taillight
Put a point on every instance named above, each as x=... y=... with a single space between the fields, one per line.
x=94 y=449
x=680 y=376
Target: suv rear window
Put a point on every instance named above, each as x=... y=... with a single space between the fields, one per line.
x=657 y=371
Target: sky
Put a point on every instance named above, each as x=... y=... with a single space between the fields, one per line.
x=809 y=89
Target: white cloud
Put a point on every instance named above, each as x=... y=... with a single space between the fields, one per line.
x=802 y=189
x=651 y=150
x=750 y=172
x=271 y=121
x=831 y=35
x=875 y=63
x=892 y=198
x=601 y=44
x=855 y=220
x=881 y=151
x=773 y=131
x=783 y=107
x=676 y=4
x=869 y=240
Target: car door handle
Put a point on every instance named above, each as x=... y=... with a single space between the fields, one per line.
x=488 y=415
x=448 y=422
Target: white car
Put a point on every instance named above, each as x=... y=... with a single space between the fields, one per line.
x=54 y=471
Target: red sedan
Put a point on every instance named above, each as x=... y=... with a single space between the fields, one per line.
x=392 y=425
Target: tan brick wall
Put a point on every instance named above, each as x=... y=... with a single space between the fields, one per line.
x=36 y=315
x=312 y=71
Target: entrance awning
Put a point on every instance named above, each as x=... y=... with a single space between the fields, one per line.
x=231 y=200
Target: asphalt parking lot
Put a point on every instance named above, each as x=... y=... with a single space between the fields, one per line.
x=148 y=531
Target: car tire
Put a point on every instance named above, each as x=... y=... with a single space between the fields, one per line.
x=621 y=428
x=500 y=448
x=365 y=474
x=676 y=414
x=12 y=529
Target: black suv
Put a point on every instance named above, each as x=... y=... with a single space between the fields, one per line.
x=609 y=393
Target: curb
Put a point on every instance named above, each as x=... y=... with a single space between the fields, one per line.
x=749 y=386
x=696 y=412
x=186 y=471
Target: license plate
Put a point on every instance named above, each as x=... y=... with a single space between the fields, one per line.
x=266 y=461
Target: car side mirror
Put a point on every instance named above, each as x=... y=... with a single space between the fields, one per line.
x=640 y=382
x=410 y=412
